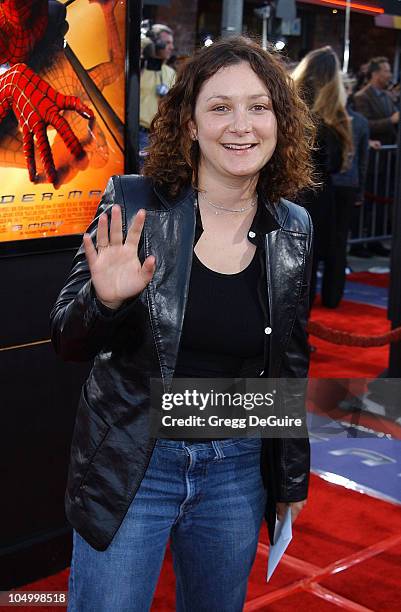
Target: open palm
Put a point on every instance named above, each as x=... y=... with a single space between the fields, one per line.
x=116 y=272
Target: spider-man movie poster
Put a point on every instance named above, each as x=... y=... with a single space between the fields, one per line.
x=62 y=111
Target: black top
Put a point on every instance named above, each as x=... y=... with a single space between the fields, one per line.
x=223 y=322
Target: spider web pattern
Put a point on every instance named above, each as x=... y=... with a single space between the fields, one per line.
x=22 y=24
x=59 y=93
x=36 y=105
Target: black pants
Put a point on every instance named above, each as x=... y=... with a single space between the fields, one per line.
x=335 y=258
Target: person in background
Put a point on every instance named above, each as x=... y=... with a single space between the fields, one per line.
x=157 y=77
x=348 y=188
x=360 y=82
x=318 y=80
x=376 y=104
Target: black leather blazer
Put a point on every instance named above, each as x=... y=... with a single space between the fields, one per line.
x=111 y=447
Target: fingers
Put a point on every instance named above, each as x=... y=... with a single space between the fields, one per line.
x=90 y=250
x=71 y=141
x=102 y=234
x=294 y=513
x=29 y=152
x=116 y=229
x=45 y=152
x=5 y=104
x=148 y=269
x=113 y=236
x=281 y=508
x=74 y=103
x=296 y=508
x=135 y=231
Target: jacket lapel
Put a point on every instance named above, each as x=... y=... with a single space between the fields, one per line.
x=169 y=236
x=285 y=263
x=375 y=102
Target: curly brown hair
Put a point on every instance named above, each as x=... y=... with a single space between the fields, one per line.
x=174 y=157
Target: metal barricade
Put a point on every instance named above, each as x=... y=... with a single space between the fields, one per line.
x=374 y=221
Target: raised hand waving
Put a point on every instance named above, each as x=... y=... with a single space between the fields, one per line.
x=116 y=271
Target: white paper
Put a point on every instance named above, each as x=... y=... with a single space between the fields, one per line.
x=282 y=537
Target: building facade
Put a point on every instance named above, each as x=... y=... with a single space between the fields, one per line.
x=319 y=22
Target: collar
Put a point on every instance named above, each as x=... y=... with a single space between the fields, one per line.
x=263 y=223
x=268 y=216
x=377 y=91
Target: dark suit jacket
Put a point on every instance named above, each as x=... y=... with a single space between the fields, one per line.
x=368 y=103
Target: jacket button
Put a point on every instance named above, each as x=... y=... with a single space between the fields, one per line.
x=251 y=234
x=268 y=330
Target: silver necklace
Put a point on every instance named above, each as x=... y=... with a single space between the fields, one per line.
x=231 y=210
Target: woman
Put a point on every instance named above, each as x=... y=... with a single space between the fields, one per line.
x=204 y=272
x=349 y=192
x=318 y=80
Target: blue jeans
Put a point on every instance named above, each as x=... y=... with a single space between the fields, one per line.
x=209 y=499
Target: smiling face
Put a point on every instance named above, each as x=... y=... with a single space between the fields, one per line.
x=234 y=123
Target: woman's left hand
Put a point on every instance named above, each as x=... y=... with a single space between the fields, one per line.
x=296 y=507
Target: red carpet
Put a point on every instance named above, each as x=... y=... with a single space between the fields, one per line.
x=340 y=361
x=345 y=553
x=346 y=548
x=369 y=278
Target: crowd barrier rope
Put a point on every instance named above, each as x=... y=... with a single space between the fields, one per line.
x=336 y=336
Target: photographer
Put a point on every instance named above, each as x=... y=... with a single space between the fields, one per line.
x=156 y=76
